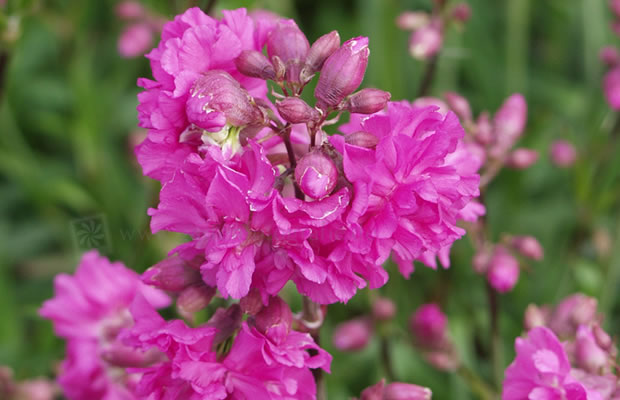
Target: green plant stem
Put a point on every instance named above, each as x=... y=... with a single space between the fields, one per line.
x=427 y=78
x=386 y=358
x=496 y=344
x=476 y=384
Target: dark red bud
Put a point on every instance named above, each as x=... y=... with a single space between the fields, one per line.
x=253 y=63
x=296 y=111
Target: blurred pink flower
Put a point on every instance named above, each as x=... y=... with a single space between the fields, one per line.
x=135 y=40
x=563 y=153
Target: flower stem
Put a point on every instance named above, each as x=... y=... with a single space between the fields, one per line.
x=427 y=78
x=210 y=7
x=312 y=317
x=476 y=384
x=496 y=344
x=386 y=359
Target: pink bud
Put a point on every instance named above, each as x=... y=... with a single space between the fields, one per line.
x=194 y=298
x=129 y=10
x=589 y=355
x=275 y=320
x=425 y=42
x=289 y=43
x=362 y=139
x=7 y=384
x=484 y=129
x=481 y=261
x=374 y=392
x=609 y=55
x=123 y=356
x=603 y=340
x=296 y=111
x=253 y=63
x=227 y=321
x=615 y=7
x=383 y=309
x=216 y=99
x=522 y=158
x=252 y=303
x=352 y=335
x=534 y=316
x=528 y=246
x=611 y=86
x=615 y=27
x=321 y=49
x=461 y=12
x=459 y=105
x=36 y=389
x=563 y=153
x=171 y=274
x=135 y=40
x=410 y=20
x=367 y=101
x=316 y=174
x=503 y=272
x=509 y=122
x=342 y=73
x=571 y=312
x=429 y=325
x=406 y=391
x=443 y=360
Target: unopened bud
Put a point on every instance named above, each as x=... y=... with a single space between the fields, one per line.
x=412 y=20
x=316 y=174
x=522 y=158
x=609 y=55
x=406 y=391
x=216 y=99
x=362 y=139
x=129 y=10
x=296 y=111
x=615 y=7
x=279 y=68
x=443 y=360
x=275 y=320
x=227 y=321
x=289 y=43
x=342 y=72
x=534 y=317
x=503 y=272
x=253 y=63
x=429 y=326
x=123 y=356
x=509 y=122
x=352 y=335
x=573 y=311
x=172 y=274
x=459 y=105
x=252 y=303
x=194 y=298
x=135 y=40
x=481 y=260
x=383 y=309
x=367 y=101
x=563 y=153
x=461 y=12
x=425 y=42
x=321 y=49
x=589 y=355
x=36 y=389
x=374 y=392
x=484 y=129
x=603 y=340
x=528 y=246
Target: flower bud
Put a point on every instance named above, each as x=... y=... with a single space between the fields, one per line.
x=289 y=43
x=342 y=73
x=534 y=316
x=129 y=10
x=429 y=326
x=194 y=298
x=509 y=122
x=362 y=139
x=352 y=335
x=135 y=40
x=481 y=260
x=279 y=68
x=615 y=7
x=367 y=101
x=609 y=55
x=321 y=49
x=406 y=391
x=227 y=321
x=611 y=86
x=589 y=355
x=563 y=153
x=316 y=174
x=484 y=129
x=528 y=246
x=443 y=360
x=36 y=389
x=603 y=340
x=217 y=99
x=461 y=12
x=374 y=392
x=503 y=272
x=123 y=356
x=459 y=105
x=522 y=158
x=296 y=111
x=253 y=63
x=571 y=312
x=172 y=274
x=252 y=303
x=275 y=320
x=412 y=20
x=425 y=42
x=383 y=309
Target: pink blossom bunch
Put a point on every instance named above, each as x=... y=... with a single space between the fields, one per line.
x=262 y=192
x=579 y=366
x=137 y=37
x=427 y=29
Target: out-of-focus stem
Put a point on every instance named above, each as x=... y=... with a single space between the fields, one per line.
x=476 y=384
x=4 y=61
x=312 y=318
x=210 y=7
x=386 y=359
x=496 y=344
x=427 y=78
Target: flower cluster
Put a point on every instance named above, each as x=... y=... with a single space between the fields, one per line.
x=264 y=193
x=578 y=368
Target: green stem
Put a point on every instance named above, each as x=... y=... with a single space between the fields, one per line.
x=496 y=344
x=476 y=384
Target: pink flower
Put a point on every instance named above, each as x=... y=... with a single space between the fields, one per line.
x=508 y=124
x=541 y=370
x=426 y=41
x=611 y=86
x=563 y=153
x=503 y=272
x=135 y=40
x=429 y=326
x=352 y=335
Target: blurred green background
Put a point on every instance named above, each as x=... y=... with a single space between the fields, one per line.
x=69 y=180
